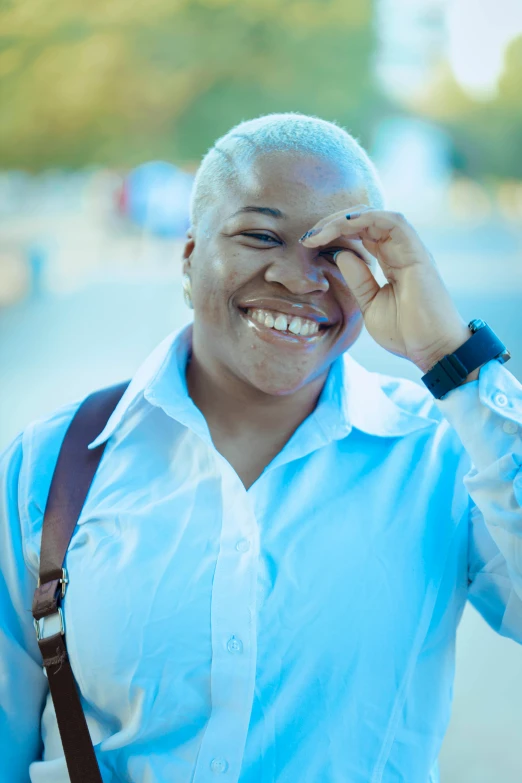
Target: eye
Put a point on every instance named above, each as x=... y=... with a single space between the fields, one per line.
x=262 y=237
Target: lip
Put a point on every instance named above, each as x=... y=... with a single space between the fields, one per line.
x=287 y=307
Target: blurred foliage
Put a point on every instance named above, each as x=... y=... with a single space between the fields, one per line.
x=116 y=83
x=487 y=135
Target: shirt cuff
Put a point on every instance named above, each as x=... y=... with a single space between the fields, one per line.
x=487 y=415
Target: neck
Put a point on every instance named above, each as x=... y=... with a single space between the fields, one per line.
x=234 y=407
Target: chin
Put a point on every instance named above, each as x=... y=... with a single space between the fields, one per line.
x=279 y=384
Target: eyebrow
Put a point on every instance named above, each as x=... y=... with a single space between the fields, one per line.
x=263 y=210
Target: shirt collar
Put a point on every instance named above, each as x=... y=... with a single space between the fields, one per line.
x=352 y=396
x=161 y=381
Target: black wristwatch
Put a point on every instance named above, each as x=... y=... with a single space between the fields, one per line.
x=453 y=369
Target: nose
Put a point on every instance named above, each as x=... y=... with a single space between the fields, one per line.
x=298 y=272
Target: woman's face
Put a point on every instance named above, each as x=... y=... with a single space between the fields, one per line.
x=249 y=274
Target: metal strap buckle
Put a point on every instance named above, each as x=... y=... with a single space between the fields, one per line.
x=39 y=624
x=63 y=581
x=40 y=629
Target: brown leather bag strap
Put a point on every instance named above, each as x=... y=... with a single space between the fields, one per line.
x=72 y=478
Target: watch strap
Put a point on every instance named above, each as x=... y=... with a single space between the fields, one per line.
x=452 y=370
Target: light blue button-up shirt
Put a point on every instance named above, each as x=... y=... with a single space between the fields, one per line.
x=303 y=630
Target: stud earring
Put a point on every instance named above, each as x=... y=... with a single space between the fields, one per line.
x=187 y=291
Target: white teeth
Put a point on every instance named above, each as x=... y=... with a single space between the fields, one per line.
x=281 y=323
x=295 y=325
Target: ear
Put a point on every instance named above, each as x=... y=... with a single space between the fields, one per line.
x=188 y=249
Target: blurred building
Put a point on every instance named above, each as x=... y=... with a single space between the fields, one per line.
x=412 y=37
x=414 y=160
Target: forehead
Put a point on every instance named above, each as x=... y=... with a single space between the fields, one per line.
x=301 y=186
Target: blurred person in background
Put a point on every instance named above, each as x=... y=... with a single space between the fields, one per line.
x=268 y=573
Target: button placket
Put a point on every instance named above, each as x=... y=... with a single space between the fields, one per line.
x=233 y=663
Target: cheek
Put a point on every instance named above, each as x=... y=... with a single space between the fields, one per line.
x=214 y=282
x=345 y=299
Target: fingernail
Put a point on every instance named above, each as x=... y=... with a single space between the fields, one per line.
x=310 y=234
x=352 y=215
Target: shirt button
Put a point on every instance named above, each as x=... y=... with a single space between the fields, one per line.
x=510 y=427
x=243 y=545
x=500 y=400
x=218 y=765
x=235 y=645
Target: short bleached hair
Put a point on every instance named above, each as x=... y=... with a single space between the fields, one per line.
x=292 y=132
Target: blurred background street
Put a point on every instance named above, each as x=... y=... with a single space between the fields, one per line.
x=106 y=111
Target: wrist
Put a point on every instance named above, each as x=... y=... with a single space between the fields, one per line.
x=449 y=346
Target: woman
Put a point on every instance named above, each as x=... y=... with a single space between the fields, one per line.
x=267 y=576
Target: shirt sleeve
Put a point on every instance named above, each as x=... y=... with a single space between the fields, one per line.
x=23 y=685
x=487 y=416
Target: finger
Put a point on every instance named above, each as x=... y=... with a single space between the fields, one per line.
x=358 y=277
x=378 y=225
x=341 y=215
x=354 y=245
x=334 y=230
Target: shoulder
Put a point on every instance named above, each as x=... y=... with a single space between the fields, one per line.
x=42 y=439
x=417 y=403
x=38 y=443
x=409 y=396
x=27 y=467
x=386 y=405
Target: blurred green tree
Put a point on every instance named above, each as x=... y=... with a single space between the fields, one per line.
x=487 y=135
x=116 y=83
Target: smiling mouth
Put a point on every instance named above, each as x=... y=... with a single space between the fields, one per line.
x=282 y=325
